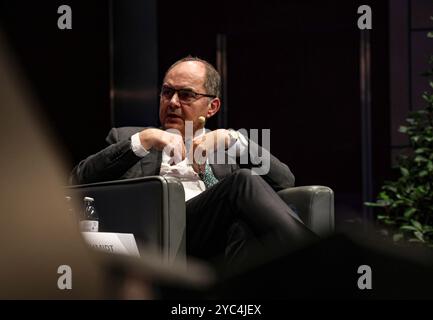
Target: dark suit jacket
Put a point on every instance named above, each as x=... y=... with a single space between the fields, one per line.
x=118 y=161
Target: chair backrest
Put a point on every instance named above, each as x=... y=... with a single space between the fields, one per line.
x=152 y=208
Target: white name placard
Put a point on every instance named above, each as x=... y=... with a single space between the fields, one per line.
x=121 y=243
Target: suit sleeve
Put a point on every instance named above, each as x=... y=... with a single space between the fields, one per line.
x=277 y=174
x=108 y=164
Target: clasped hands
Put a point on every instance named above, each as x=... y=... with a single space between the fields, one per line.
x=174 y=145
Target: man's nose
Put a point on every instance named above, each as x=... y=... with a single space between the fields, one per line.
x=174 y=101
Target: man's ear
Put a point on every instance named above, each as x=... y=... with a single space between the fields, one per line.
x=214 y=107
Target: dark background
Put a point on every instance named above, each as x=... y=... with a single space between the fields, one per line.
x=292 y=67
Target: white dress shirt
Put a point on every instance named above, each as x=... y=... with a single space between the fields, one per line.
x=192 y=183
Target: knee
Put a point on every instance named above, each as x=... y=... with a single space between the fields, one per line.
x=242 y=174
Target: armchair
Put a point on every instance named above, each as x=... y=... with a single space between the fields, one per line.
x=153 y=209
x=315 y=206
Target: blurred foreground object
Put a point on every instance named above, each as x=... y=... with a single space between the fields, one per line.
x=37 y=233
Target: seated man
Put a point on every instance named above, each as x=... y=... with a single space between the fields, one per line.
x=219 y=197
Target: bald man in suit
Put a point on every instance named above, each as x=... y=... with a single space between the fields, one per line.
x=225 y=203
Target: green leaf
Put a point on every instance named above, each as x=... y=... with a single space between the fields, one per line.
x=390 y=188
x=425 y=97
x=420 y=190
x=375 y=204
x=417 y=225
x=409 y=188
x=401 y=220
x=398 y=236
x=382 y=217
x=397 y=203
x=409 y=212
x=408 y=228
x=411 y=121
x=430 y=34
x=404 y=171
x=403 y=129
x=414 y=240
x=428 y=229
x=384 y=203
x=419 y=236
x=420 y=159
x=383 y=195
x=422 y=150
x=423 y=173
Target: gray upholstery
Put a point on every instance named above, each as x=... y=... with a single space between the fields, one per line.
x=315 y=205
x=153 y=209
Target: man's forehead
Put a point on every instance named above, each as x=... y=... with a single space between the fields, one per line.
x=187 y=73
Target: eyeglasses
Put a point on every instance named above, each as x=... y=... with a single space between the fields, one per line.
x=184 y=95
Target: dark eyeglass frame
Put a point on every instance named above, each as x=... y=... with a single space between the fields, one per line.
x=180 y=93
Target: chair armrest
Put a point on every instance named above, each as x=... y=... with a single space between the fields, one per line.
x=152 y=208
x=315 y=205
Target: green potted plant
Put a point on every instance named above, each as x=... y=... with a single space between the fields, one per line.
x=405 y=205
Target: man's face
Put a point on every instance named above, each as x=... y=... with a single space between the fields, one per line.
x=173 y=112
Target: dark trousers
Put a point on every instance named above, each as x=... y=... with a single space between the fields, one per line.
x=239 y=208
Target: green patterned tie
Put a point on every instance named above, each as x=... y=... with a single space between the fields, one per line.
x=208 y=177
